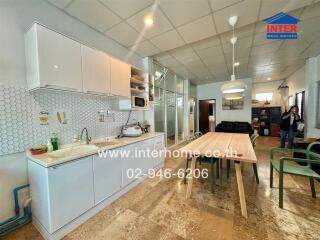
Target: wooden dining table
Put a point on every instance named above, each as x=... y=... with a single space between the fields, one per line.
x=231 y=146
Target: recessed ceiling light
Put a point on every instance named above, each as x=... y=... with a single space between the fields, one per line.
x=55 y=66
x=148 y=21
x=269 y=78
x=236 y=64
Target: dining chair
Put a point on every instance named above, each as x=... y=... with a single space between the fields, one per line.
x=253 y=139
x=201 y=160
x=289 y=165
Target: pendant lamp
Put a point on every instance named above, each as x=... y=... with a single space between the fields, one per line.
x=233 y=86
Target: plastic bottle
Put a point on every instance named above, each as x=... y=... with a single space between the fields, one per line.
x=54 y=141
x=49 y=146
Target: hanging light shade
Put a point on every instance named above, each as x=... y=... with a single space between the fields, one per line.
x=233 y=96
x=234 y=86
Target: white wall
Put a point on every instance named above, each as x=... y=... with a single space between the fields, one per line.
x=16 y=16
x=271 y=86
x=212 y=91
x=297 y=82
x=312 y=77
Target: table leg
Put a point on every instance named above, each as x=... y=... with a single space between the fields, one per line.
x=241 y=189
x=190 y=180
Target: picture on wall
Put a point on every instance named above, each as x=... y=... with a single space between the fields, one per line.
x=232 y=104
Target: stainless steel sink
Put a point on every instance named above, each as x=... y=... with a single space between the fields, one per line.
x=72 y=151
x=106 y=143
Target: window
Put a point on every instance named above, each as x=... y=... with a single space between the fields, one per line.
x=300 y=103
x=262 y=97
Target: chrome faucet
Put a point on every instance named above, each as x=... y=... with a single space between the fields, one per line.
x=88 y=139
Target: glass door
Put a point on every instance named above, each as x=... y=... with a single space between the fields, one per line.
x=159 y=109
x=180 y=117
x=171 y=117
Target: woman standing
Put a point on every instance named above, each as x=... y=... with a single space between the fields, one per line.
x=288 y=126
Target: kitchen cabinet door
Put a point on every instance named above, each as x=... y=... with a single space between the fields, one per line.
x=130 y=164
x=70 y=191
x=95 y=71
x=120 y=78
x=107 y=176
x=159 y=146
x=147 y=160
x=59 y=60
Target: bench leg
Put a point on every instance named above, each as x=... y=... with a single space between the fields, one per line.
x=228 y=168
x=255 y=170
x=212 y=177
x=271 y=175
x=217 y=168
x=185 y=172
x=281 y=189
x=313 y=190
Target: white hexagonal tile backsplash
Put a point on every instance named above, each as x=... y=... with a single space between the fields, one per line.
x=19 y=117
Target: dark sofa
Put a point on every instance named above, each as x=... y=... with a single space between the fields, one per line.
x=234 y=127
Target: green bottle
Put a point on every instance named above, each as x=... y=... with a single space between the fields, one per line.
x=54 y=141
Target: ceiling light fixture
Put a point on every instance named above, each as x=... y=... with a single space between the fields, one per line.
x=148 y=21
x=234 y=86
x=269 y=78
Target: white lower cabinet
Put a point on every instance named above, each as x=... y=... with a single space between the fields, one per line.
x=71 y=191
x=66 y=195
x=129 y=163
x=107 y=177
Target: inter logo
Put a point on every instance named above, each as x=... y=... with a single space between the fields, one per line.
x=282 y=26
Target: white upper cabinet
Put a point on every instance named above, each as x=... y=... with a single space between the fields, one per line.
x=95 y=71
x=53 y=60
x=120 y=78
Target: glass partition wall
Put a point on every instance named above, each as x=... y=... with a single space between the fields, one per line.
x=169 y=105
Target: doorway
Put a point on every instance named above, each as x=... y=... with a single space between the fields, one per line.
x=207 y=114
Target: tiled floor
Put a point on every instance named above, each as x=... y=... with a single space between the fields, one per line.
x=157 y=209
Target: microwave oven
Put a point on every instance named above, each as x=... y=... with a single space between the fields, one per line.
x=139 y=102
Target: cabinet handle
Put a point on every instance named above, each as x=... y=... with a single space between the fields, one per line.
x=61 y=88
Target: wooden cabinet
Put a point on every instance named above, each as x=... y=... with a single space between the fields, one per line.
x=61 y=193
x=120 y=78
x=53 y=60
x=95 y=71
x=107 y=176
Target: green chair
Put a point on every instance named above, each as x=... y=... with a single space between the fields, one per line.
x=200 y=159
x=210 y=161
x=253 y=139
x=289 y=165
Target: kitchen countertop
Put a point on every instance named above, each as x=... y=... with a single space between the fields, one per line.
x=48 y=161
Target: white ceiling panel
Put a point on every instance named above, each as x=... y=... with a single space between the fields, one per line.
x=211 y=55
x=265 y=48
x=272 y=7
x=218 y=4
x=312 y=51
x=241 y=32
x=168 y=40
x=170 y=62
x=124 y=34
x=145 y=49
x=126 y=8
x=242 y=43
x=206 y=43
x=311 y=11
x=247 y=11
x=160 y=23
x=184 y=54
x=60 y=3
x=184 y=11
x=197 y=30
x=93 y=13
x=261 y=38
